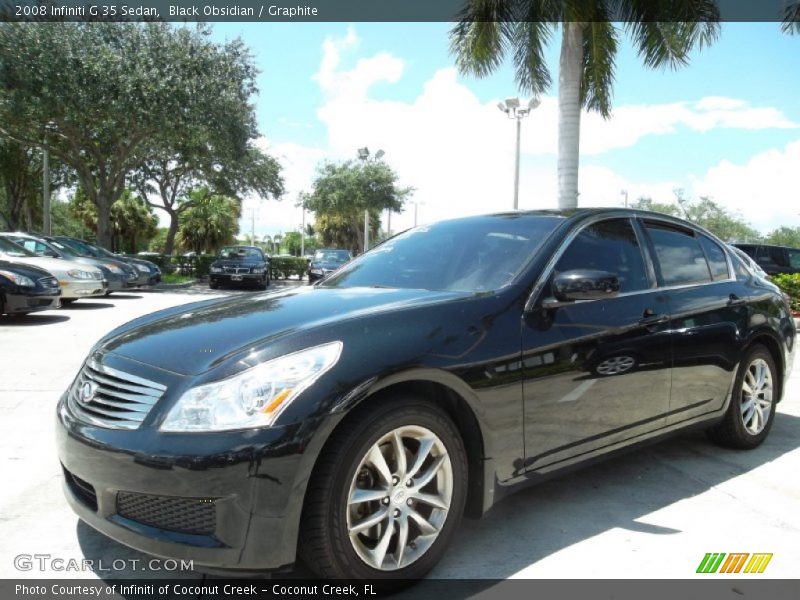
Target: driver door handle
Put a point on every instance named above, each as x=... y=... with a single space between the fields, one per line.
x=653 y=320
x=734 y=300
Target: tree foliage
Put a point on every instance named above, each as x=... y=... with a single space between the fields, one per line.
x=209 y=223
x=99 y=94
x=784 y=236
x=343 y=191
x=706 y=213
x=133 y=223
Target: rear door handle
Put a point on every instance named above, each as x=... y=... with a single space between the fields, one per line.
x=653 y=320
x=734 y=300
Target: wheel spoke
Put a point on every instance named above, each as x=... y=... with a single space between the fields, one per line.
x=424 y=525
x=379 y=552
x=402 y=540
x=360 y=495
x=368 y=522
x=425 y=447
x=425 y=478
x=431 y=500
x=377 y=460
x=746 y=388
x=400 y=454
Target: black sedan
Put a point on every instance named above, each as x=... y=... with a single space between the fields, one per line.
x=240 y=265
x=325 y=261
x=25 y=289
x=354 y=422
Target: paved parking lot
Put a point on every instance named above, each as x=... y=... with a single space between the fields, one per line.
x=652 y=514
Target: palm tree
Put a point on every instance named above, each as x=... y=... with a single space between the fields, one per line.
x=791 y=18
x=211 y=222
x=664 y=34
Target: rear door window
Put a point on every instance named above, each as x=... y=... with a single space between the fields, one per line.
x=680 y=257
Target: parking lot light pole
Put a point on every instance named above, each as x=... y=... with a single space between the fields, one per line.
x=514 y=110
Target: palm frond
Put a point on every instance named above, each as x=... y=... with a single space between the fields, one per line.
x=600 y=42
x=481 y=36
x=530 y=38
x=791 y=18
x=665 y=32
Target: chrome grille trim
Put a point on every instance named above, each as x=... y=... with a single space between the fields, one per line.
x=120 y=400
x=48 y=282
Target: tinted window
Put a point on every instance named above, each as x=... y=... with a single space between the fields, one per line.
x=772 y=256
x=608 y=246
x=470 y=255
x=794 y=259
x=679 y=255
x=717 y=261
x=11 y=249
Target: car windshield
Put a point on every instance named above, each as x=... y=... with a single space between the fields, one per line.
x=11 y=249
x=334 y=256
x=77 y=246
x=470 y=255
x=239 y=252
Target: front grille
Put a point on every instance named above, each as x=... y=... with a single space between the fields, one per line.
x=49 y=282
x=83 y=490
x=197 y=516
x=237 y=270
x=110 y=398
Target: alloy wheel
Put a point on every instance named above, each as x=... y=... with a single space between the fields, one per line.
x=756 y=396
x=399 y=498
x=615 y=365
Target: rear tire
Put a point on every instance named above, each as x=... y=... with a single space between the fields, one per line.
x=361 y=518
x=752 y=408
x=67 y=301
x=213 y=286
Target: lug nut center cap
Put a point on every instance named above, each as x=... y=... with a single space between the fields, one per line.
x=399 y=495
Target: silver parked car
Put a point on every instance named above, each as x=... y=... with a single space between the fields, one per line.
x=118 y=275
x=75 y=280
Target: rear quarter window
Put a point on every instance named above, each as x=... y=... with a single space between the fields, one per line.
x=717 y=260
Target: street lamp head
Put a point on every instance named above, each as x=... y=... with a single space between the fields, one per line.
x=363 y=153
x=512 y=103
x=379 y=154
x=533 y=103
x=502 y=106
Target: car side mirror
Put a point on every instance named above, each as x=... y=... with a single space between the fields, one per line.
x=584 y=284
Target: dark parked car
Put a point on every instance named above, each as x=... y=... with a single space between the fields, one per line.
x=325 y=261
x=25 y=289
x=357 y=419
x=773 y=259
x=147 y=273
x=240 y=265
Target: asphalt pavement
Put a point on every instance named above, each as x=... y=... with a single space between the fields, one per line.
x=653 y=513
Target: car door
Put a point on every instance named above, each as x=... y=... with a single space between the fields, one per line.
x=708 y=308
x=597 y=372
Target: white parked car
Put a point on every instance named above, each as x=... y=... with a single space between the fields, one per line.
x=75 y=280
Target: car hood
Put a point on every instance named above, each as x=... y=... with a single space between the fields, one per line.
x=31 y=271
x=191 y=339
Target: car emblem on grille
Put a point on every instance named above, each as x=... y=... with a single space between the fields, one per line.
x=88 y=390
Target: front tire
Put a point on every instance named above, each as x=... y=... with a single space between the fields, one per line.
x=387 y=494
x=752 y=408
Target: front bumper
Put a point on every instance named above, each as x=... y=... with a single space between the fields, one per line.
x=236 y=278
x=246 y=485
x=74 y=289
x=31 y=301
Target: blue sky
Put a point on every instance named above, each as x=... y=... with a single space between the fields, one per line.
x=726 y=126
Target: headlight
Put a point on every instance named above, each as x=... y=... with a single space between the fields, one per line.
x=216 y=269
x=142 y=268
x=257 y=270
x=253 y=398
x=76 y=274
x=113 y=268
x=19 y=280
x=316 y=271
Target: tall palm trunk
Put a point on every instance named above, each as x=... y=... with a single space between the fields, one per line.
x=569 y=114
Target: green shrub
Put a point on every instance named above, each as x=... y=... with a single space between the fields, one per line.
x=283 y=267
x=791 y=285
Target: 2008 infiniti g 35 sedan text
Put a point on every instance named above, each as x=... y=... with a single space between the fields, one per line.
x=352 y=423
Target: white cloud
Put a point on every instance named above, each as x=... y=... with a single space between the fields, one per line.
x=458 y=152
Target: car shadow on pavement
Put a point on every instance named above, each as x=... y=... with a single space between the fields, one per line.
x=117 y=296
x=86 y=305
x=32 y=320
x=538 y=522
